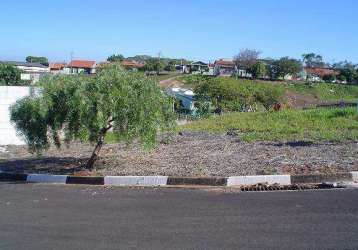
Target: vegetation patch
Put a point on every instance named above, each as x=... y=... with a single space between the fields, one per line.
x=326 y=91
x=315 y=125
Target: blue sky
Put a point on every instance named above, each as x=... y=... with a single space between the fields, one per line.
x=194 y=29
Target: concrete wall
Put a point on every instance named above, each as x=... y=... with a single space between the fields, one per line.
x=8 y=96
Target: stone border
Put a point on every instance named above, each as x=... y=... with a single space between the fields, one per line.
x=154 y=181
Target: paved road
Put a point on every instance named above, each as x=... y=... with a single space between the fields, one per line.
x=81 y=217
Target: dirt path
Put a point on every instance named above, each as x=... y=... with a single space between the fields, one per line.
x=170 y=83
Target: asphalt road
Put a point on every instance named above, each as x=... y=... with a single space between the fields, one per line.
x=81 y=217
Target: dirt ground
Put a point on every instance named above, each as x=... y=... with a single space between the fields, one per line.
x=191 y=154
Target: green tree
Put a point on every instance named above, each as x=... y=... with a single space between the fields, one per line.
x=226 y=94
x=154 y=64
x=347 y=71
x=329 y=78
x=86 y=108
x=37 y=59
x=313 y=60
x=170 y=66
x=115 y=58
x=258 y=70
x=287 y=66
x=9 y=74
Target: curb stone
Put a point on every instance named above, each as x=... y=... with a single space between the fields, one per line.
x=181 y=181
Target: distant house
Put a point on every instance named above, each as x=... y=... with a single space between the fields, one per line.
x=195 y=68
x=80 y=66
x=316 y=74
x=185 y=98
x=30 y=71
x=132 y=64
x=225 y=67
x=57 y=68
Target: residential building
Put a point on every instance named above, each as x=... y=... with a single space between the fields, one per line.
x=195 y=68
x=185 y=98
x=80 y=66
x=225 y=67
x=316 y=74
x=132 y=64
x=57 y=68
x=30 y=71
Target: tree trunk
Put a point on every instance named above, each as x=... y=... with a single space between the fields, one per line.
x=97 y=149
x=95 y=154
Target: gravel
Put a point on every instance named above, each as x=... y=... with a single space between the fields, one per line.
x=191 y=154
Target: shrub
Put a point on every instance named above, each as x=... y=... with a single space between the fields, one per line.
x=232 y=95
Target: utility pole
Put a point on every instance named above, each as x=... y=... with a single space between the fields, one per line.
x=71 y=56
x=158 y=62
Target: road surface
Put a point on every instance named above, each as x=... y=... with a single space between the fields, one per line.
x=82 y=217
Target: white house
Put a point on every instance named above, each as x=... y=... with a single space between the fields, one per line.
x=184 y=96
x=30 y=71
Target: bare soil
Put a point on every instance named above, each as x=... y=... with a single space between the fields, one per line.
x=191 y=154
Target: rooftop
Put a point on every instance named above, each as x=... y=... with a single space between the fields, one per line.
x=82 y=64
x=57 y=66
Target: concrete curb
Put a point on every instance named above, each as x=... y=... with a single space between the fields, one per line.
x=154 y=181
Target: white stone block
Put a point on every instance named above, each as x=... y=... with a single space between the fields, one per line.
x=135 y=180
x=256 y=179
x=45 y=178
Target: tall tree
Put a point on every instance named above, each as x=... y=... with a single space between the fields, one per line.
x=115 y=58
x=287 y=66
x=347 y=71
x=246 y=59
x=37 y=59
x=9 y=74
x=86 y=108
x=312 y=60
x=258 y=70
x=154 y=64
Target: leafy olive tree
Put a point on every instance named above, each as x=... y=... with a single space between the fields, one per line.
x=85 y=108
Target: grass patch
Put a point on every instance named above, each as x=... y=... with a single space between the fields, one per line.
x=316 y=125
x=326 y=91
x=322 y=91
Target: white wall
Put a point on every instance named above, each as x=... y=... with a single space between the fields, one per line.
x=8 y=96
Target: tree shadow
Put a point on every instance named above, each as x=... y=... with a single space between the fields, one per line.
x=52 y=165
x=294 y=144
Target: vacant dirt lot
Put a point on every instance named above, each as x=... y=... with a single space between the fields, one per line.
x=191 y=154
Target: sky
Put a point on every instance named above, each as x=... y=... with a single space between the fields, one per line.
x=194 y=29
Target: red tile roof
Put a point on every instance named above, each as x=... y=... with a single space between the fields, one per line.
x=57 y=66
x=226 y=63
x=81 y=64
x=321 y=71
x=131 y=64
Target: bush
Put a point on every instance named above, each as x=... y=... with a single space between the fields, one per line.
x=231 y=95
x=329 y=78
x=9 y=75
